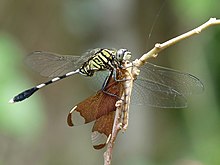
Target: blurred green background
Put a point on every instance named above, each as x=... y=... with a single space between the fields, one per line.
x=35 y=131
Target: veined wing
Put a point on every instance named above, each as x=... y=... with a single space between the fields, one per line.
x=101 y=108
x=163 y=87
x=101 y=130
x=96 y=106
x=184 y=83
x=147 y=92
x=96 y=82
x=53 y=65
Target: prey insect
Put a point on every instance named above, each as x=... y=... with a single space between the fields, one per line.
x=155 y=86
x=99 y=108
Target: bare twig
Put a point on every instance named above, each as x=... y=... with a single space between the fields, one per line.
x=115 y=130
x=159 y=47
x=140 y=62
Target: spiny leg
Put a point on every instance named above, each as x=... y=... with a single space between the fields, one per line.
x=106 y=83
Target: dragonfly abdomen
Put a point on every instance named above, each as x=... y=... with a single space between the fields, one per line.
x=27 y=93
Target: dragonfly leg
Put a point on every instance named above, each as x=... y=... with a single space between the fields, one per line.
x=107 y=79
x=105 y=84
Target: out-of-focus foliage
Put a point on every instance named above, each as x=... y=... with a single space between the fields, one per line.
x=35 y=131
x=21 y=119
x=196 y=9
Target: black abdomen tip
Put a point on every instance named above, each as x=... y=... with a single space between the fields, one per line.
x=24 y=95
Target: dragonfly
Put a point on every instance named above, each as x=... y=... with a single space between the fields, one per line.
x=63 y=66
x=156 y=86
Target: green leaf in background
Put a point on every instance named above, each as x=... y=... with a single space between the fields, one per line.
x=197 y=9
x=23 y=118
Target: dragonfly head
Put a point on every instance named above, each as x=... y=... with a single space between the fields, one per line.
x=123 y=54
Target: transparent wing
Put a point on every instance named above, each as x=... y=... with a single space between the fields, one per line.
x=53 y=65
x=184 y=83
x=96 y=82
x=154 y=94
x=163 y=87
x=160 y=87
x=147 y=92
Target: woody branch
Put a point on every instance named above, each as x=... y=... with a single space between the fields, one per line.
x=153 y=53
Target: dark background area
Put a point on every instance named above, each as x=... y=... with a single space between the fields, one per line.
x=35 y=131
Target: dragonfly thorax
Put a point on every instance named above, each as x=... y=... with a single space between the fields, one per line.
x=104 y=59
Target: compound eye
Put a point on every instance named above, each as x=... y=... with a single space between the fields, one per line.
x=120 y=54
x=119 y=57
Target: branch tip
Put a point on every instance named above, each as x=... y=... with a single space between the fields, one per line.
x=153 y=53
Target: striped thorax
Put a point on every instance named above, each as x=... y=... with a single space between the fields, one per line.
x=104 y=59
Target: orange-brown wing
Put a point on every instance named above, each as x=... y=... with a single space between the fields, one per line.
x=102 y=130
x=97 y=105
